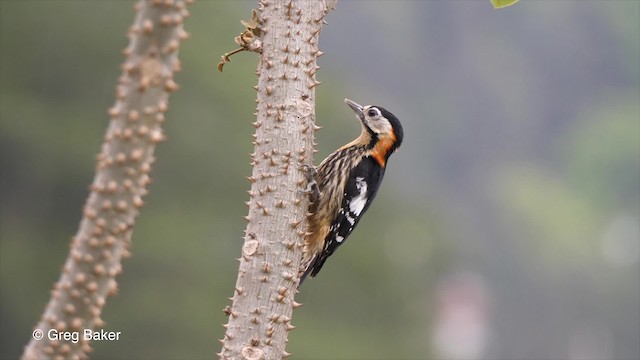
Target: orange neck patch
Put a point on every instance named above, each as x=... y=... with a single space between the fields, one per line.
x=382 y=149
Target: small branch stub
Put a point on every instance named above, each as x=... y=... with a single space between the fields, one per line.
x=248 y=40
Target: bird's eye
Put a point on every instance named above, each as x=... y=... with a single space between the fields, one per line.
x=373 y=112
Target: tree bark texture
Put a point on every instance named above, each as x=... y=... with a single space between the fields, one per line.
x=263 y=300
x=122 y=174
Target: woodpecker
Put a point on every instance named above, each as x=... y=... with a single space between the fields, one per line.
x=343 y=186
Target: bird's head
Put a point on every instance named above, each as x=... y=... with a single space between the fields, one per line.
x=381 y=124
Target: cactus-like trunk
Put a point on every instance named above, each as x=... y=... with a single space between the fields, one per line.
x=122 y=174
x=263 y=300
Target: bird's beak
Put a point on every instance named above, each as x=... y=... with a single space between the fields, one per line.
x=357 y=108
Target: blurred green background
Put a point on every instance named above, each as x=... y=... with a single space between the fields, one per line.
x=507 y=227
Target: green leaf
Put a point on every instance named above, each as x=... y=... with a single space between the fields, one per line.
x=497 y=4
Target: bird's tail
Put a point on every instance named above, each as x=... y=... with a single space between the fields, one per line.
x=307 y=270
x=313 y=268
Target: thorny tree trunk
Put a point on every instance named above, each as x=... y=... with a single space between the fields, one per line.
x=103 y=237
x=263 y=300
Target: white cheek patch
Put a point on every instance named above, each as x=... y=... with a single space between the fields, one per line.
x=379 y=125
x=357 y=204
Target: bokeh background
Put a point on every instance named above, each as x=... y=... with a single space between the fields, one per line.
x=507 y=226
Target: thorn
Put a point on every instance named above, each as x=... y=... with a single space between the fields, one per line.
x=183 y=35
x=266 y=268
x=114 y=111
x=171 y=47
x=287 y=275
x=313 y=84
x=171 y=86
